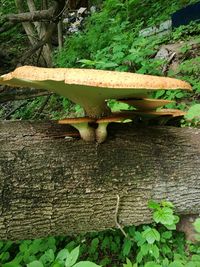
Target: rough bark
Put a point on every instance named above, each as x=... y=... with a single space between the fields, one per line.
x=37 y=15
x=50 y=185
x=41 y=31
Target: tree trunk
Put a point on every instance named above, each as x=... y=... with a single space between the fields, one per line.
x=51 y=185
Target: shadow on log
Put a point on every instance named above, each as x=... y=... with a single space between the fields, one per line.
x=50 y=185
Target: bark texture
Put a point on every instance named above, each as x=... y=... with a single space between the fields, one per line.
x=50 y=185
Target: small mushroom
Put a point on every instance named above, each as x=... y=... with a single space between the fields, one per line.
x=86 y=132
x=146 y=103
x=172 y=112
x=101 y=131
x=90 y=88
x=151 y=113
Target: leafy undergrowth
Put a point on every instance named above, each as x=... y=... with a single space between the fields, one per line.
x=154 y=245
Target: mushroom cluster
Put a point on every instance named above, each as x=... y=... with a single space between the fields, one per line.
x=91 y=88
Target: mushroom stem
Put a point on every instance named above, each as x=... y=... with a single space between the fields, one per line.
x=86 y=132
x=97 y=111
x=101 y=132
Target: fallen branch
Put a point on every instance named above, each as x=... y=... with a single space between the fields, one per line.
x=39 y=111
x=11 y=94
x=7 y=116
x=39 y=15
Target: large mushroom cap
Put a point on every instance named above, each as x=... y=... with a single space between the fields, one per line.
x=90 y=88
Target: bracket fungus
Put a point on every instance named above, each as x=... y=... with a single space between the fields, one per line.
x=90 y=88
x=146 y=103
x=86 y=132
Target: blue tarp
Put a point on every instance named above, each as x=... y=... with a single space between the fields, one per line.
x=186 y=15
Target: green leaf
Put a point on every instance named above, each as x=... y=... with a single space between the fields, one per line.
x=87 y=62
x=154 y=251
x=139 y=238
x=72 y=257
x=47 y=257
x=176 y=264
x=167 y=204
x=131 y=231
x=153 y=205
x=110 y=65
x=191 y=264
x=57 y=264
x=128 y=263
x=170 y=226
x=159 y=93
x=86 y=264
x=126 y=247
x=94 y=245
x=197 y=225
x=35 y=264
x=50 y=255
x=165 y=262
x=4 y=256
x=139 y=256
x=196 y=258
x=176 y=219
x=37 y=245
x=166 y=249
x=11 y=264
x=164 y=216
x=166 y=234
x=151 y=235
x=152 y=264
x=144 y=249
x=62 y=254
x=180 y=95
x=193 y=112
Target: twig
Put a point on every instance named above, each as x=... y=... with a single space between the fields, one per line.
x=39 y=55
x=40 y=44
x=7 y=116
x=42 y=107
x=62 y=11
x=116 y=217
x=165 y=67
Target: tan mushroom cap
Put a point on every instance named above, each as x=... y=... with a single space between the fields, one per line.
x=112 y=119
x=161 y=112
x=76 y=120
x=173 y=112
x=146 y=103
x=90 y=88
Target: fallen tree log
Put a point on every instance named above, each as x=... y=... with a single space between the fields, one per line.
x=50 y=185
